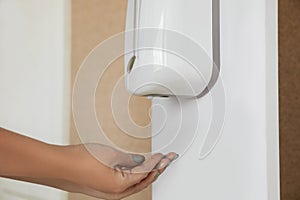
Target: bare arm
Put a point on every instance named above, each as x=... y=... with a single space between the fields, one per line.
x=23 y=156
x=73 y=169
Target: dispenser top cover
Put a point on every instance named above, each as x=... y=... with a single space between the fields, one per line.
x=171 y=49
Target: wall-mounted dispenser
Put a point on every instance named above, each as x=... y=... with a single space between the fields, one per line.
x=239 y=130
x=166 y=53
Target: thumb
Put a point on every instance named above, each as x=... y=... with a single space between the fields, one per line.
x=126 y=161
x=114 y=158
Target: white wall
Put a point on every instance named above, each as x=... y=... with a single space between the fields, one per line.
x=244 y=165
x=34 y=79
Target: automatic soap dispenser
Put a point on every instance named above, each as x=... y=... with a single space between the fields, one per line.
x=171 y=49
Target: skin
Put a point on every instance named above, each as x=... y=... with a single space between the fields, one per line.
x=73 y=169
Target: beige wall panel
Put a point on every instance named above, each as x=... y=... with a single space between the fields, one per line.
x=94 y=21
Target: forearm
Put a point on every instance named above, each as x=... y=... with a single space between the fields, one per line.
x=21 y=156
x=26 y=159
x=29 y=160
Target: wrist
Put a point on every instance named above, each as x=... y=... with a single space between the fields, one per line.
x=64 y=165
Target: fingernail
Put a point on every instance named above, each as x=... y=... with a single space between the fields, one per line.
x=138 y=159
x=157 y=175
x=124 y=168
x=175 y=158
x=163 y=164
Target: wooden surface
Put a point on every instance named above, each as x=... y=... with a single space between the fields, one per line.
x=93 y=21
x=289 y=42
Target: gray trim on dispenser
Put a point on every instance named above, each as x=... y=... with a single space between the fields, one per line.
x=216 y=45
x=216 y=32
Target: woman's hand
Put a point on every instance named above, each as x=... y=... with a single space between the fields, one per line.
x=122 y=174
x=107 y=174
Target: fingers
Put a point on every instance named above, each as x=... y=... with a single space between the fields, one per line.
x=168 y=159
x=114 y=158
x=172 y=156
x=122 y=161
x=124 y=179
x=149 y=164
x=149 y=170
x=152 y=177
x=157 y=163
x=140 y=172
